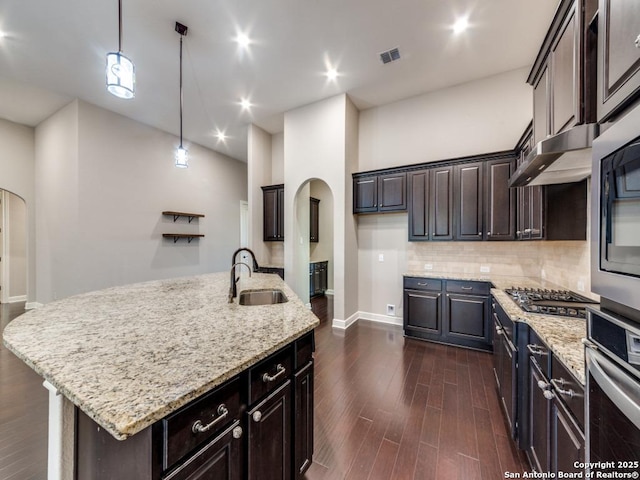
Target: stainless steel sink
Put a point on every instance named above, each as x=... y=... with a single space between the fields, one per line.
x=262 y=297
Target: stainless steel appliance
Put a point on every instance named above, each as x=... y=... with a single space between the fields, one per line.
x=615 y=220
x=550 y=302
x=613 y=400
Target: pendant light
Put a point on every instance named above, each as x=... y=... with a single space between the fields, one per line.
x=121 y=73
x=182 y=158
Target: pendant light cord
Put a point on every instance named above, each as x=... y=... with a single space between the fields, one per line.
x=120 y=26
x=180 y=91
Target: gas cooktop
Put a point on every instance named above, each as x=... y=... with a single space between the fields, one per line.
x=550 y=302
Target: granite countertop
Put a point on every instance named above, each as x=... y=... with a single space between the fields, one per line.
x=128 y=356
x=563 y=335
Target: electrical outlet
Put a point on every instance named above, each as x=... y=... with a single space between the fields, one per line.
x=485 y=269
x=581 y=285
x=391 y=309
x=428 y=266
x=381 y=257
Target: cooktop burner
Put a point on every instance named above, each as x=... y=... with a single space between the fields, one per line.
x=550 y=302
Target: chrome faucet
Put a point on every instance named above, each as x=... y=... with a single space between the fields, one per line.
x=233 y=291
x=255 y=263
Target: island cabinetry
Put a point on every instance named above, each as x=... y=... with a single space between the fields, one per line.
x=447 y=311
x=247 y=428
x=619 y=56
x=379 y=193
x=273 y=213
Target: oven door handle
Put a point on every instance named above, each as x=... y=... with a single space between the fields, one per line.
x=619 y=387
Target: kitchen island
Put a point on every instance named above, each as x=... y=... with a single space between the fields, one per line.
x=129 y=357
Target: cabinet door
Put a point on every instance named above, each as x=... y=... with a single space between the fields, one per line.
x=419 y=205
x=468 y=201
x=269 y=434
x=500 y=212
x=541 y=121
x=303 y=426
x=324 y=280
x=468 y=320
x=280 y=216
x=564 y=76
x=272 y=212
x=392 y=192
x=314 y=220
x=539 y=413
x=422 y=311
x=441 y=204
x=567 y=441
x=365 y=194
x=220 y=459
x=530 y=213
x=619 y=55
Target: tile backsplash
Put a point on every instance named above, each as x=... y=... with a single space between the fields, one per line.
x=564 y=263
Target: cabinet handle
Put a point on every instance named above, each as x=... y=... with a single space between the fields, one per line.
x=198 y=427
x=480 y=233
x=488 y=233
x=422 y=284
x=558 y=384
x=542 y=385
x=536 y=350
x=518 y=232
x=527 y=230
x=548 y=394
x=637 y=42
x=257 y=416
x=499 y=330
x=237 y=432
x=266 y=378
x=535 y=231
x=466 y=288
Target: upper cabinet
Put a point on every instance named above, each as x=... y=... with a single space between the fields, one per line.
x=500 y=210
x=618 y=55
x=273 y=213
x=431 y=204
x=563 y=75
x=378 y=193
x=468 y=192
x=314 y=220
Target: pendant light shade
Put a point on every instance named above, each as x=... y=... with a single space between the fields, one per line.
x=182 y=156
x=121 y=73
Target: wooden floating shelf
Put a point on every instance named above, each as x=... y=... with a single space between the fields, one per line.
x=178 y=236
x=177 y=215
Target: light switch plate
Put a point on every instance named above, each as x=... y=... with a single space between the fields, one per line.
x=381 y=257
x=428 y=266
x=391 y=309
x=485 y=269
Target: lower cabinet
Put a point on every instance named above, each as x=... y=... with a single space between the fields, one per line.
x=258 y=425
x=447 y=311
x=505 y=364
x=318 y=277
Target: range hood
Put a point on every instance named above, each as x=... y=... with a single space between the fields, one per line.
x=562 y=158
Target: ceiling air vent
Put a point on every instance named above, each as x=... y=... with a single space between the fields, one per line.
x=390 y=55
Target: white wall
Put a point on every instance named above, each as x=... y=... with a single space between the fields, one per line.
x=483 y=116
x=102 y=182
x=17 y=164
x=477 y=117
x=16 y=253
x=259 y=174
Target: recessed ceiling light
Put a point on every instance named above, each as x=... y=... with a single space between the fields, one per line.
x=243 y=40
x=461 y=25
x=332 y=74
x=220 y=135
x=245 y=104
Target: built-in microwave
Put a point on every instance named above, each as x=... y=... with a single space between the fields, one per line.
x=615 y=212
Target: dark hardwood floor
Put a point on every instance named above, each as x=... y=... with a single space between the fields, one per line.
x=394 y=408
x=386 y=408
x=23 y=413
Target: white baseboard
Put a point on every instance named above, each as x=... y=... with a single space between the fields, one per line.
x=329 y=291
x=32 y=305
x=344 y=324
x=17 y=298
x=376 y=317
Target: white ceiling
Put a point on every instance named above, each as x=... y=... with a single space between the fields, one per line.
x=54 y=51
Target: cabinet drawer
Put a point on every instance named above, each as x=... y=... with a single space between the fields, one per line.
x=569 y=390
x=200 y=420
x=427 y=284
x=468 y=287
x=305 y=347
x=538 y=350
x=270 y=373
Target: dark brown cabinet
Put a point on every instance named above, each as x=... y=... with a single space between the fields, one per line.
x=418 y=202
x=314 y=220
x=379 y=193
x=430 y=195
x=541 y=120
x=318 y=278
x=530 y=213
x=567 y=441
x=539 y=414
x=618 y=56
x=505 y=364
x=273 y=213
x=447 y=311
x=303 y=419
x=269 y=436
x=565 y=75
x=468 y=213
x=500 y=203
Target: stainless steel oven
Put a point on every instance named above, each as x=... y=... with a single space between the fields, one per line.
x=615 y=207
x=613 y=394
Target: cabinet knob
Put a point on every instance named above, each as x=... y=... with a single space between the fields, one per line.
x=257 y=416
x=548 y=394
x=518 y=232
x=480 y=233
x=237 y=432
x=488 y=233
x=542 y=385
x=637 y=42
